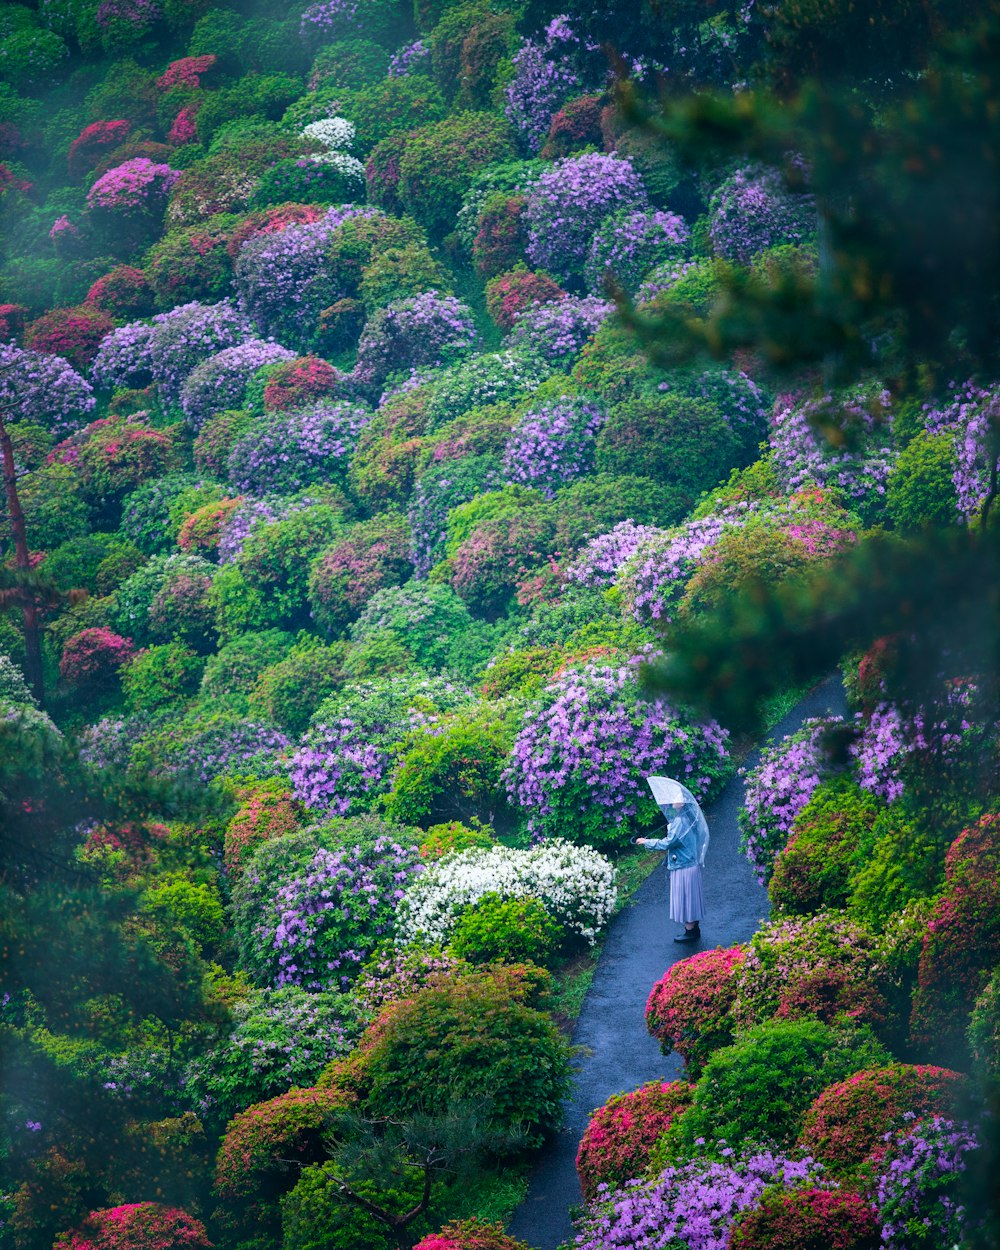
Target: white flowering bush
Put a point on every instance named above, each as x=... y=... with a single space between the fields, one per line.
x=335 y=133
x=575 y=885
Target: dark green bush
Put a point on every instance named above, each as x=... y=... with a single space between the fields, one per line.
x=288 y=692
x=235 y=668
x=510 y=931
x=392 y=107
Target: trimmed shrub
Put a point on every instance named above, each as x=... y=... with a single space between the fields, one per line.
x=399 y=272
x=501 y=238
x=507 y=931
x=160 y=676
x=296 y=449
x=471 y=1234
x=984 y=1030
x=137 y=1226
x=372 y=555
x=808 y=1219
x=426 y=329
x=289 y=692
x=508 y=294
x=690 y=1009
x=753 y=210
x=299 y=382
x=234 y=669
x=428 y=619
x=617 y=1143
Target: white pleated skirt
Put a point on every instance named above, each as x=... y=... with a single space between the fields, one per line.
x=686 y=901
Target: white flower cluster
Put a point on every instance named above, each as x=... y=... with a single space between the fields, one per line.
x=335 y=133
x=575 y=884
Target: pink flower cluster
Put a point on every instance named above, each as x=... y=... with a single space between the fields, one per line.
x=136 y=185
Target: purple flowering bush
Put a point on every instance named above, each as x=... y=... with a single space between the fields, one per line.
x=310 y=907
x=586 y=745
x=628 y=244
x=188 y=334
x=345 y=759
x=569 y=202
x=426 y=329
x=44 y=390
x=778 y=788
x=219 y=382
x=292 y=450
x=600 y=561
x=552 y=444
x=690 y=1206
x=545 y=76
x=411 y=58
x=558 y=330
x=973 y=418
x=202 y=749
x=331 y=21
x=753 y=210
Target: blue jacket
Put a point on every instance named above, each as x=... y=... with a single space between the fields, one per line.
x=681 y=842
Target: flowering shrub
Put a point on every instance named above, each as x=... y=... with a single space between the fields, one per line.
x=43 y=390
x=157 y=677
x=970 y=416
x=281 y=1038
x=509 y=294
x=345 y=758
x=202 y=531
x=135 y=599
x=544 y=77
x=137 y=1226
x=483 y=381
x=219 y=382
x=586 y=746
x=136 y=187
x=93 y=142
x=690 y=1009
x=203 y=749
x=745 y=405
x=299 y=381
x=122 y=292
x=753 y=210
x=558 y=331
x=373 y=555
x=778 y=788
x=267 y=810
x=330 y=178
x=438 y=490
x=599 y=562
x=500 y=239
x=690 y=1205
x=819 y=1217
x=574 y=128
x=471 y=1234
x=915 y=1196
x=499 y=553
x=93 y=657
x=310 y=906
x=426 y=329
x=628 y=244
x=552 y=444
x=172 y=347
x=411 y=58
x=428 y=619
x=329 y=21
x=395 y=972
x=619 y=1139
x=73 y=333
x=576 y=885
x=271 y=221
x=295 y=449
x=568 y=203
x=187 y=72
x=848 y=1121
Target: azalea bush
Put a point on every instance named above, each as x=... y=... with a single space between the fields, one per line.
x=753 y=210
x=553 y=443
x=266 y=810
x=373 y=555
x=618 y=1140
x=45 y=390
x=425 y=329
x=558 y=331
x=628 y=244
x=690 y=1009
x=137 y=1226
x=218 y=383
x=787 y=1221
x=296 y=449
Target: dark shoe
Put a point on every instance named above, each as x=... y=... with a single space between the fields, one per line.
x=689 y=935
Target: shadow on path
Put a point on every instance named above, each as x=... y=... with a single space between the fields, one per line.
x=618 y=1053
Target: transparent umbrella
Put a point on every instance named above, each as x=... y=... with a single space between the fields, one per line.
x=667 y=792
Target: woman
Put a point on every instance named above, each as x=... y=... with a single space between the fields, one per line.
x=686 y=844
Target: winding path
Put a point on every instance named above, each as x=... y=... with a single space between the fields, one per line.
x=617 y=1052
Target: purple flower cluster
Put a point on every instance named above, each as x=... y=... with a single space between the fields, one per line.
x=746 y=407
x=230 y=745
x=123 y=358
x=326 y=920
x=400 y=973
x=545 y=76
x=568 y=204
x=138 y=13
x=628 y=244
x=220 y=381
x=662 y=277
x=138 y=185
x=410 y=59
x=426 y=329
x=553 y=444
x=108 y=742
x=328 y=20
x=284 y=279
x=587 y=744
x=889 y=738
x=294 y=449
x=691 y=1206
x=778 y=789
x=43 y=389
x=601 y=559
x=753 y=210
x=188 y=334
x=438 y=490
x=915 y=1195
x=558 y=330
x=264 y=510
x=977 y=419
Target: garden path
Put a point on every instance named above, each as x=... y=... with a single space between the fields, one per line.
x=617 y=1053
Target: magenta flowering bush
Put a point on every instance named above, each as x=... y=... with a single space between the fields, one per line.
x=310 y=907
x=553 y=443
x=138 y=186
x=545 y=76
x=690 y=1206
x=599 y=562
x=137 y=1226
x=290 y=450
x=753 y=210
x=43 y=390
x=426 y=329
x=558 y=330
x=568 y=203
x=219 y=382
x=778 y=788
x=587 y=743
x=628 y=244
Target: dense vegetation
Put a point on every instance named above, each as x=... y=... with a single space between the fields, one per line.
x=373 y=521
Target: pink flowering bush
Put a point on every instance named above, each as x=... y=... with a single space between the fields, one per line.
x=73 y=333
x=94 y=142
x=690 y=1009
x=617 y=1143
x=137 y=1226
x=93 y=657
x=471 y=1234
x=187 y=72
x=826 y=1219
x=296 y=382
x=508 y=294
x=123 y=292
x=136 y=186
x=374 y=554
x=588 y=742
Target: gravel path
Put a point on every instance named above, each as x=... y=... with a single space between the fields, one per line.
x=618 y=1054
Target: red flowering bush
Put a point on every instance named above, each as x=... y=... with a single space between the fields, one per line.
x=295 y=383
x=501 y=235
x=201 y=531
x=184 y=129
x=124 y=292
x=510 y=293
x=271 y=221
x=617 y=1143
x=267 y=810
x=474 y=1234
x=690 y=1008
x=373 y=554
x=496 y=557
x=575 y=126
x=12 y=317
x=137 y=1226
x=847 y=1122
x=808 y=1219
x=962 y=944
x=93 y=657
x=187 y=72
x=93 y=142
x=74 y=333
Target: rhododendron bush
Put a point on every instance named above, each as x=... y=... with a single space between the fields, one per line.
x=617 y=1143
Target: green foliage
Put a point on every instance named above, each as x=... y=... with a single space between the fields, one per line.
x=76 y=563
x=753 y=555
x=513 y=930
x=391 y=107
x=399 y=272
x=289 y=691
x=276 y=558
x=192 y=263
x=53 y=507
x=902 y=860
x=593 y=505
x=192 y=908
x=920 y=490
x=317 y=1216
x=161 y=676
x=348 y=65
x=453 y=836
x=239 y=606
x=235 y=668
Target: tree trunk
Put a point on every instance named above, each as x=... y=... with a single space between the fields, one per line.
x=29 y=610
